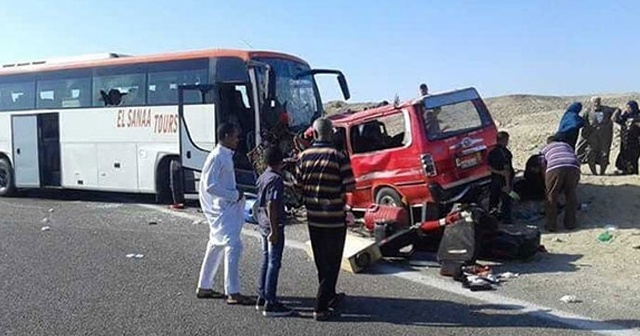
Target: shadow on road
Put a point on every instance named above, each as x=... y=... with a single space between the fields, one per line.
x=437 y=313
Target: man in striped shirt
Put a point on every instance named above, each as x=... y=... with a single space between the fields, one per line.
x=324 y=176
x=562 y=174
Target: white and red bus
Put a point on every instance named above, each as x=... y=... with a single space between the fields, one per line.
x=114 y=122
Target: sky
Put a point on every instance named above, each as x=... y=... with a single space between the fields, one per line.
x=554 y=47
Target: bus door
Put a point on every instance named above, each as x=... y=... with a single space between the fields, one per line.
x=49 y=136
x=191 y=155
x=25 y=151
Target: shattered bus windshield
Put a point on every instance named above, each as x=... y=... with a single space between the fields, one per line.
x=300 y=95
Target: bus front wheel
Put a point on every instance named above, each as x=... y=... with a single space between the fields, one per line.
x=7 y=187
x=176 y=181
x=170 y=181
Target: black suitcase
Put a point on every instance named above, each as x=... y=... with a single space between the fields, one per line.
x=459 y=244
x=511 y=243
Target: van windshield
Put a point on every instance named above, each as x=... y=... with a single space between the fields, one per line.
x=449 y=120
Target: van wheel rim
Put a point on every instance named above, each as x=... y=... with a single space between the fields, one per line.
x=388 y=200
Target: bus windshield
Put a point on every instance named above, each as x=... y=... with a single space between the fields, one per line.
x=300 y=95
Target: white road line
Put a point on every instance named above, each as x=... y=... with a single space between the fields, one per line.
x=542 y=312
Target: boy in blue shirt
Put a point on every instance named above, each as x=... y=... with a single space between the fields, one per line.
x=271 y=219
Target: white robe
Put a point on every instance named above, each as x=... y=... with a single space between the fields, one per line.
x=225 y=214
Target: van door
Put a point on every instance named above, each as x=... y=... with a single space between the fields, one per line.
x=25 y=151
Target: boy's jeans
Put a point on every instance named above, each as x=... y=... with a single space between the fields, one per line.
x=270 y=267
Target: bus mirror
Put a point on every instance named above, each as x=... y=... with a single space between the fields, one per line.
x=344 y=87
x=341 y=79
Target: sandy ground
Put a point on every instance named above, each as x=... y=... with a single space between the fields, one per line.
x=611 y=269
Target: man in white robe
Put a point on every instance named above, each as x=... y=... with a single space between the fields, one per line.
x=223 y=206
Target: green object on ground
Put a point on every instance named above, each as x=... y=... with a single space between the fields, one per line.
x=605 y=236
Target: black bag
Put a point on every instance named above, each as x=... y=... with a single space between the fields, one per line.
x=459 y=244
x=511 y=243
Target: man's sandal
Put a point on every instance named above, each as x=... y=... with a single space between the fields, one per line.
x=239 y=299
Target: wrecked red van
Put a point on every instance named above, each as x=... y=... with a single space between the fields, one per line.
x=421 y=154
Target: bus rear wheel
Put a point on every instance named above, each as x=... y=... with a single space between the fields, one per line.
x=7 y=187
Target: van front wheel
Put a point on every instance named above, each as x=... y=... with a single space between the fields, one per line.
x=389 y=197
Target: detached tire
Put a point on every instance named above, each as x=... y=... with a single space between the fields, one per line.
x=390 y=197
x=7 y=186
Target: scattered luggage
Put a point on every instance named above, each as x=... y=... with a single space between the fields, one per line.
x=512 y=242
x=459 y=244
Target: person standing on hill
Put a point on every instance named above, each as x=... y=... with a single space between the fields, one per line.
x=629 y=121
x=596 y=137
x=570 y=124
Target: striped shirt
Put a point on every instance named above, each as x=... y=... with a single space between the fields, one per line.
x=324 y=175
x=559 y=154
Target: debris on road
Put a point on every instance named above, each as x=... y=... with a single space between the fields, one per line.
x=507 y=275
x=605 y=237
x=570 y=299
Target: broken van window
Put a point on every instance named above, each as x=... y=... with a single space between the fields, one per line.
x=384 y=133
x=448 y=120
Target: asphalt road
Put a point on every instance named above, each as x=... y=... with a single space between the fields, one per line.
x=76 y=279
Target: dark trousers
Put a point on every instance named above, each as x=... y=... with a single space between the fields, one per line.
x=327 y=245
x=563 y=180
x=497 y=196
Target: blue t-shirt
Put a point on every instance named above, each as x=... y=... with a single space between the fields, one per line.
x=270 y=189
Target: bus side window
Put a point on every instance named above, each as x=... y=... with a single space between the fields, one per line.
x=17 y=94
x=129 y=81
x=64 y=89
x=164 y=79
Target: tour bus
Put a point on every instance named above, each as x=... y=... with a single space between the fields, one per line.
x=112 y=122
x=424 y=154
